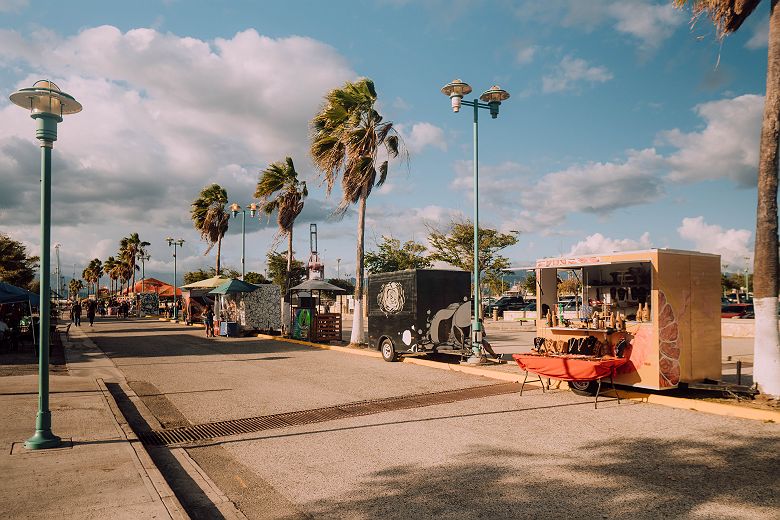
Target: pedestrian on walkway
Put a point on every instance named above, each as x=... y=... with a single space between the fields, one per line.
x=208 y=321
x=91 y=311
x=77 y=313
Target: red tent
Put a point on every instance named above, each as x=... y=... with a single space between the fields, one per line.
x=167 y=290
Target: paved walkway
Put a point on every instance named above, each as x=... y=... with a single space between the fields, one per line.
x=101 y=470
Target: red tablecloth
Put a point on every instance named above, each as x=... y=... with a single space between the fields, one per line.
x=568 y=368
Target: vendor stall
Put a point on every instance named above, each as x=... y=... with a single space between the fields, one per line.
x=228 y=308
x=196 y=297
x=658 y=309
x=309 y=319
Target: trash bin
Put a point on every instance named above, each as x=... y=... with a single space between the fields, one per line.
x=228 y=328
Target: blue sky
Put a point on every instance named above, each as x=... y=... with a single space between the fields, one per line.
x=626 y=128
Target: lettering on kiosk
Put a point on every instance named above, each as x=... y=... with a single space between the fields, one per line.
x=562 y=262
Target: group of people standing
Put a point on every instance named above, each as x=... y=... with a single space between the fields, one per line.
x=92 y=308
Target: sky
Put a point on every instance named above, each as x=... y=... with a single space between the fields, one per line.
x=627 y=126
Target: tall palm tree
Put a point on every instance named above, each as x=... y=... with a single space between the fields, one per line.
x=86 y=274
x=281 y=179
x=210 y=218
x=348 y=135
x=108 y=269
x=728 y=15
x=91 y=274
x=129 y=248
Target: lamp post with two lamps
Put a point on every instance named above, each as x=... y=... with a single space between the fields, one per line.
x=235 y=208
x=175 y=242
x=491 y=100
x=47 y=104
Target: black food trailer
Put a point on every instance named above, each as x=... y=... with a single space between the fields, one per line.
x=418 y=311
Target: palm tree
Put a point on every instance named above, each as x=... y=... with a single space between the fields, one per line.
x=108 y=269
x=280 y=178
x=129 y=247
x=91 y=274
x=347 y=136
x=210 y=218
x=75 y=286
x=728 y=15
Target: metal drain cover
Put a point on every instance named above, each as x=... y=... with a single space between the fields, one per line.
x=201 y=432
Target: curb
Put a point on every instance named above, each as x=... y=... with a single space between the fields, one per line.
x=726 y=410
x=147 y=466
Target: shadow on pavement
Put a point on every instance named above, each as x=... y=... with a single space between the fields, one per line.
x=732 y=477
x=192 y=498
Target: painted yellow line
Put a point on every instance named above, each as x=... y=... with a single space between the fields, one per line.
x=359 y=352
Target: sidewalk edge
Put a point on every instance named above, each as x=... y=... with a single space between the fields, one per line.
x=722 y=409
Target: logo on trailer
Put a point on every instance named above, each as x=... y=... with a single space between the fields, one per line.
x=391 y=298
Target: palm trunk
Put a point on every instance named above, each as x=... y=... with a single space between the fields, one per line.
x=219 y=253
x=286 y=325
x=132 y=266
x=357 y=335
x=766 y=354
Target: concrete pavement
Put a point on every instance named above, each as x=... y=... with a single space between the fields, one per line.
x=101 y=471
x=500 y=457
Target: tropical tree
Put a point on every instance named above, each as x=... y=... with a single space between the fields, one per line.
x=728 y=16
x=75 y=286
x=455 y=246
x=204 y=274
x=108 y=269
x=276 y=270
x=91 y=274
x=129 y=248
x=391 y=256
x=529 y=283
x=16 y=266
x=255 y=278
x=348 y=135
x=210 y=218
x=280 y=190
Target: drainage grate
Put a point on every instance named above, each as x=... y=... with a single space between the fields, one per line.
x=207 y=431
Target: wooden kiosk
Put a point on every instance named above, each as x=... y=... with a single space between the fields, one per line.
x=677 y=341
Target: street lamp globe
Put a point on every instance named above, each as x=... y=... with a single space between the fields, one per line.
x=493 y=97
x=253 y=209
x=234 y=209
x=456 y=89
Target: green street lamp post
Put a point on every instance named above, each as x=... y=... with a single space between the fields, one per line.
x=235 y=209
x=143 y=257
x=47 y=104
x=491 y=100
x=175 y=242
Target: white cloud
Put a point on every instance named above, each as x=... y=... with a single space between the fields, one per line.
x=525 y=54
x=645 y=21
x=571 y=73
x=422 y=135
x=727 y=147
x=597 y=188
x=500 y=185
x=730 y=244
x=163 y=116
x=650 y=23
x=598 y=243
x=760 y=37
x=13 y=6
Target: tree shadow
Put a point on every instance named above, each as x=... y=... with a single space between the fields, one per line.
x=732 y=476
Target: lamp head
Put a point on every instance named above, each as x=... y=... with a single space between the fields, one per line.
x=45 y=98
x=456 y=89
x=493 y=97
x=234 y=209
x=252 y=209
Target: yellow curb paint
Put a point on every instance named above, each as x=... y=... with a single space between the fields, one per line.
x=663 y=400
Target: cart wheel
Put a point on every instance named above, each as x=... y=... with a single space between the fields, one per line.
x=388 y=350
x=587 y=388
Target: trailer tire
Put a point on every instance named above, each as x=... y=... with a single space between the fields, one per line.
x=387 y=349
x=586 y=388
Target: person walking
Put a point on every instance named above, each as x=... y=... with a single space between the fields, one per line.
x=91 y=311
x=208 y=321
x=77 y=313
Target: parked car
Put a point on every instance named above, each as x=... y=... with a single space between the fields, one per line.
x=736 y=310
x=505 y=303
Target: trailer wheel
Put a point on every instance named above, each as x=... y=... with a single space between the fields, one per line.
x=586 y=388
x=388 y=350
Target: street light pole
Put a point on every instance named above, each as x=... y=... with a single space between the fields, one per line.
x=492 y=99
x=235 y=209
x=338 y=268
x=47 y=104
x=175 y=242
